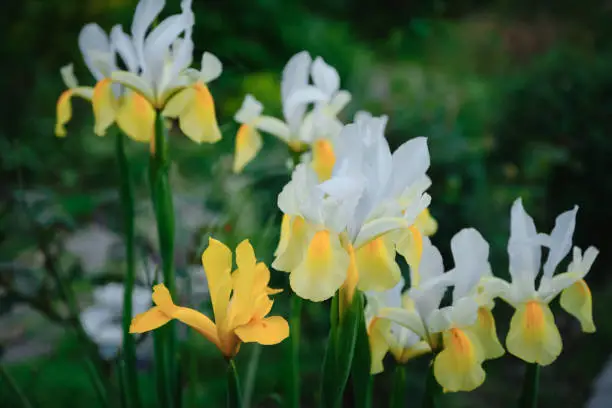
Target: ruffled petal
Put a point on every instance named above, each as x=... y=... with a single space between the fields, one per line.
x=376 y=264
x=248 y=144
x=577 y=301
x=533 y=335
x=104 y=106
x=268 y=331
x=323 y=269
x=136 y=117
x=458 y=366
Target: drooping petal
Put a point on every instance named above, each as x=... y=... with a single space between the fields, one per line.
x=195 y=109
x=217 y=262
x=104 y=105
x=376 y=264
x=136 y=117
x=485 y=330
x=293 y=244
x=458 y=367
x=149 y=320
x=577 y=301
x=533 y=335
x=268 y=331
x=323 y=159
x=199 y=322
x=378 y=344
x=248 y=144
x=322 y=270
x=64 y=107
x=275 y=127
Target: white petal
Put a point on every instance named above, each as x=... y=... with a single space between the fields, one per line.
x=67 y=73
x=144 y=15
x=588 y=258
x=471 y=253
x=95 y=47
x=250 y=110
x=182 y=55
x=550 y=288
x=410 y=162
x=295 y=74
x=523 y=247
x=135 y=83
x=440 y=320
x=405 y=318
x=211 y=68
x=560 y=241
x=325 y=77
x=123 y=44
x=295 y=104
x=273 y=126
x=464 y=312
x=338 y=102
x=377 y=227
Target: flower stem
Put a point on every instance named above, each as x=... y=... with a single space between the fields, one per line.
x=161 y=196
x=398 y=392
x=531 y=385
x=294 y=324
x=23 y=400
x=433 y=390
x=234 y=399
x=249 y=384
x=129 y=346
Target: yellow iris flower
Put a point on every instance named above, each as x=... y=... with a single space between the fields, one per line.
x=533 y=335
x=240 y=299
x=300 y=129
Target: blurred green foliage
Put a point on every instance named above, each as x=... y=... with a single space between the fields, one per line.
x=515 y=97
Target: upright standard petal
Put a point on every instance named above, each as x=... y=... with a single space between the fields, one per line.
x=217 y=262
x=325 y=77
x=523 y=247
x=248 y=144
x=458 y=366
x=577 y=301
x=533 y=335
x=560 y=241
x=323 y=268
x=136 y=117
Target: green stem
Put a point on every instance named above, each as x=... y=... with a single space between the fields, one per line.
x=132 y=393
x=531 y=386
x=433 y=390
x=398 y=393
x=23 y=400
x=161 y=195
x=234 y=399
x=249 y=384
x=295 y=329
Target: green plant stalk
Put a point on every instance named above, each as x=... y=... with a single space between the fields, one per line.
x=164 y=387
x=129 y=346
x=249 y=383
x=361 y=379
x=161 y=195
x=23 y=400
x=531 y=386
x=398 y=392
x=433 y=390
x=295 y=329
x=234 y=399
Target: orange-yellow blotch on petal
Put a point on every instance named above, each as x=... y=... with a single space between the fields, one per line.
x=136 y=117
x=195 y=109
x=268 y=331
x=323 y=159
x=577 y=301
x=322 y=270
x=533 y=335
x=376 y=264
x=458 y=367
x=105 y=106
x=485 y=330
x=426 y=223
x=410 y=246
x=292 y=244
x=64 y=112
x=149 y=320
x=248 y=144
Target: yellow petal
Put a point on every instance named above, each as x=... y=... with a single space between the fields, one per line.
x=376 y=264
x=104 y=106
x=485 y=330
x=577 y=301
x=378 y=343
x=322 y=270
x=426 y=223
x=64 y=113
x=136 y=117
x=458 y=366
x=347 y=291
x=268 y=331
x=410 y=246
x=533 y=335
x=405 y=354
x=217 y=262
x=195 y=109
x=149 y=320
x=243 y=282
x=163 y=300
x=248 y=144
x=323 y=159
x=292 y=243
x=198 y=321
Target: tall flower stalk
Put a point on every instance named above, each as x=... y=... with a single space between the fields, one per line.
x=127 y=203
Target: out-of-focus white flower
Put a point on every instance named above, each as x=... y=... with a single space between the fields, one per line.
x=102 y=320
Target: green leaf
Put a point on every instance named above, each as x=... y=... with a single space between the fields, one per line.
x=360 y=372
